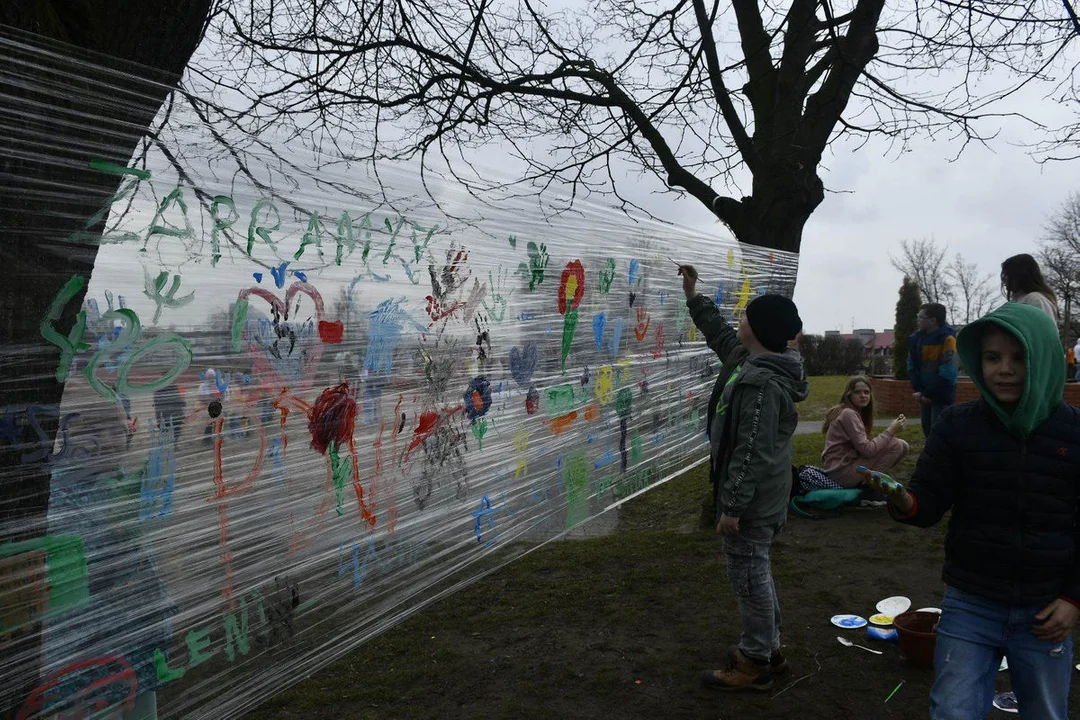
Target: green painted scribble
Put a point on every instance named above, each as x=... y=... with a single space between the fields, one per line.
x=681 y=315
x=129 y=332
x=560 y=400
x=153 y=289
x=255 y=227
x=239 y=319
x=160 y=226
x=479 y=430
x=418 y=249
x=219 y=224
x=607 y=276
x=569 y=328
x=312 y=236
x=91 y=231
x=65 y=563
x=114 y=169
x=623 y=402
x=181 y=346
x=72 y=344
x=342 y=471
x=576 y=480
x=393 y=237
x=538 y=262
x=345 y=237
x=365 y=225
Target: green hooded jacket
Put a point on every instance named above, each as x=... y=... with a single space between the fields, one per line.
x=1044 y=384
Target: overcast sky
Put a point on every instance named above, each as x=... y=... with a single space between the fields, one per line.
x=986 y=206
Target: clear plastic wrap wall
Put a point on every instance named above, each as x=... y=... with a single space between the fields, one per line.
x=300 y=399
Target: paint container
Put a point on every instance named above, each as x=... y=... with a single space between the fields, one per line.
x=918 y=637
x=882 y=633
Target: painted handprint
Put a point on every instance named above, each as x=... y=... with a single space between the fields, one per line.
x=452 y=275
x=643 y=320
x=538 y=262
x=497 y=307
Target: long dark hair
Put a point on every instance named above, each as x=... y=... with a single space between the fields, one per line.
x=1021 y=275
x=866 y=414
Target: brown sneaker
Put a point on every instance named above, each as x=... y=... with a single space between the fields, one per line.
x=745 y=674
x=778 y=665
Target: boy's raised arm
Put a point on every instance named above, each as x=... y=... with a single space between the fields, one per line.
x=703 y=311
x=719 y=335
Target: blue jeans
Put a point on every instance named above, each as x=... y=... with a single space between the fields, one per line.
x=972 y=636
x=929 y=414
x=750 y=572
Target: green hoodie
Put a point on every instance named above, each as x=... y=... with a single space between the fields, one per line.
x=1044 y=384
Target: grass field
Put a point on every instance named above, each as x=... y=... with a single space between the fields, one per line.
x=824 y=392
x=621 y=626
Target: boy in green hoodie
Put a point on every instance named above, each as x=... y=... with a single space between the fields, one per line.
x=751 y=418
x=1008 y=466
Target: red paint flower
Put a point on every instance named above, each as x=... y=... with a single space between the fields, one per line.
x=572 y=285
x=332 y=418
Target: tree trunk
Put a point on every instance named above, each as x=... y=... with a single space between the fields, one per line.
x=776 y=213
x=70 y=94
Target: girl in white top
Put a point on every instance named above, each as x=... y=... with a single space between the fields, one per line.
x=1022 y=282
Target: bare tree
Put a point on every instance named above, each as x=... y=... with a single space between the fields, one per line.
x=1061 y=268
x=1059 y=256
x=924 y=262
x=580 y=95
x=1063 y=228
x=973 y=294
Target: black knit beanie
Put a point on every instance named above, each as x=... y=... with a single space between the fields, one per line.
x=774 y=319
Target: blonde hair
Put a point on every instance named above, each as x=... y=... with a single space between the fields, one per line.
x=867 y=413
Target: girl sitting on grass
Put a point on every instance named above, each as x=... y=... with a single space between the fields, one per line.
x=847 y=430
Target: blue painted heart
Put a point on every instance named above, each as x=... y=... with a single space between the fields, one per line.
x=523 y=362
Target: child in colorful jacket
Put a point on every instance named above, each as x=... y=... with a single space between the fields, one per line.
x=932 y=364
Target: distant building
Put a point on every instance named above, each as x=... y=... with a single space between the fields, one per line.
x=878 y=347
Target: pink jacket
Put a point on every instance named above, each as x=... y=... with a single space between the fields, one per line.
x=846 y=442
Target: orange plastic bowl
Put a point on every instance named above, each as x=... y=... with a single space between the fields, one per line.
x=918 y=637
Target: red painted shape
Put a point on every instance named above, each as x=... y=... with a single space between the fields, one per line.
x=84 y=700
x=332 y=418
x=331 y=333
x=561 y=424
x=428 y=421
x=643 y=320
x=577 y=270
x=365 y=512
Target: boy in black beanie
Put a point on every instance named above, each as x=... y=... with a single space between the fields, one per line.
x=751 y=418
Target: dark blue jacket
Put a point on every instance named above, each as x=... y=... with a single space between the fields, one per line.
x=1013 y=534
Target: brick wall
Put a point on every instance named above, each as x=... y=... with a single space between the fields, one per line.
x=894 y=396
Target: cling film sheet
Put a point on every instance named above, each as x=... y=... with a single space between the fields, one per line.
x=301 y=399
